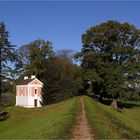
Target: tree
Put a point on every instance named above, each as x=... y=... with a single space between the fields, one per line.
x=60 y=77
x=39 y=51
x=32 y=57
x=22 y=61
x=66 y=54
x=110 y=57
x=7 y=53
x=61 y=80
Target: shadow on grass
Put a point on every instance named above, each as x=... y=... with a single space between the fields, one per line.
x=121 y=104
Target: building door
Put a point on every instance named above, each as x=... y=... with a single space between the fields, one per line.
x=35 y=103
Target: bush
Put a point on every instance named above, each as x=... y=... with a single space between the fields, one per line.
x=4 y=116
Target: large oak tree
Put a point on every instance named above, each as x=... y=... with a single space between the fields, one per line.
x=110 y=58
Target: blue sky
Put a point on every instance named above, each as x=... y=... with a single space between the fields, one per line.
x=62 y=23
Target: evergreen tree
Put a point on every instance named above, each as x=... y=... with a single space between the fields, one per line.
x=7 y=53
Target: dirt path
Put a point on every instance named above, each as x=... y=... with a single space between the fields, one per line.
x=82 y=130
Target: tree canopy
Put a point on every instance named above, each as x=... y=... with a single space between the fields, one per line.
x=110 y=57
x=32 y=57
x=61 y=80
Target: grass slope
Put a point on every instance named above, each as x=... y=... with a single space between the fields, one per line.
x=56 y=121
x=109 y=123
x=53 y=121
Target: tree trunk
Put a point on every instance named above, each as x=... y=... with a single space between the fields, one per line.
x=114 y=104
x=101 y=98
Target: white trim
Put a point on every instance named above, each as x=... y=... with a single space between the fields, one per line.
x=35 y=85
x=37 y=80
x=25 y=91
x=28 y=90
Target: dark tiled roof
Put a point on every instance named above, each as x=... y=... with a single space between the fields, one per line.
x=25 y=82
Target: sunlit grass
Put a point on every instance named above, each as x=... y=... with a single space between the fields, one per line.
x=110 y=123
x=57 y=120
x=50 y=122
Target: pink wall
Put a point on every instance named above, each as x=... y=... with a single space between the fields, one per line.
x=35 y=82
x=38 y=91
x=23 y=90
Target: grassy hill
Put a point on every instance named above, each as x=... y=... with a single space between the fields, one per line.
x=57 y=120
x=109 y=123
x=53 y=121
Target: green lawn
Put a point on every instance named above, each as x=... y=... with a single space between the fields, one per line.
x=57 y=120
x=53 y=121
x=110 y=123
